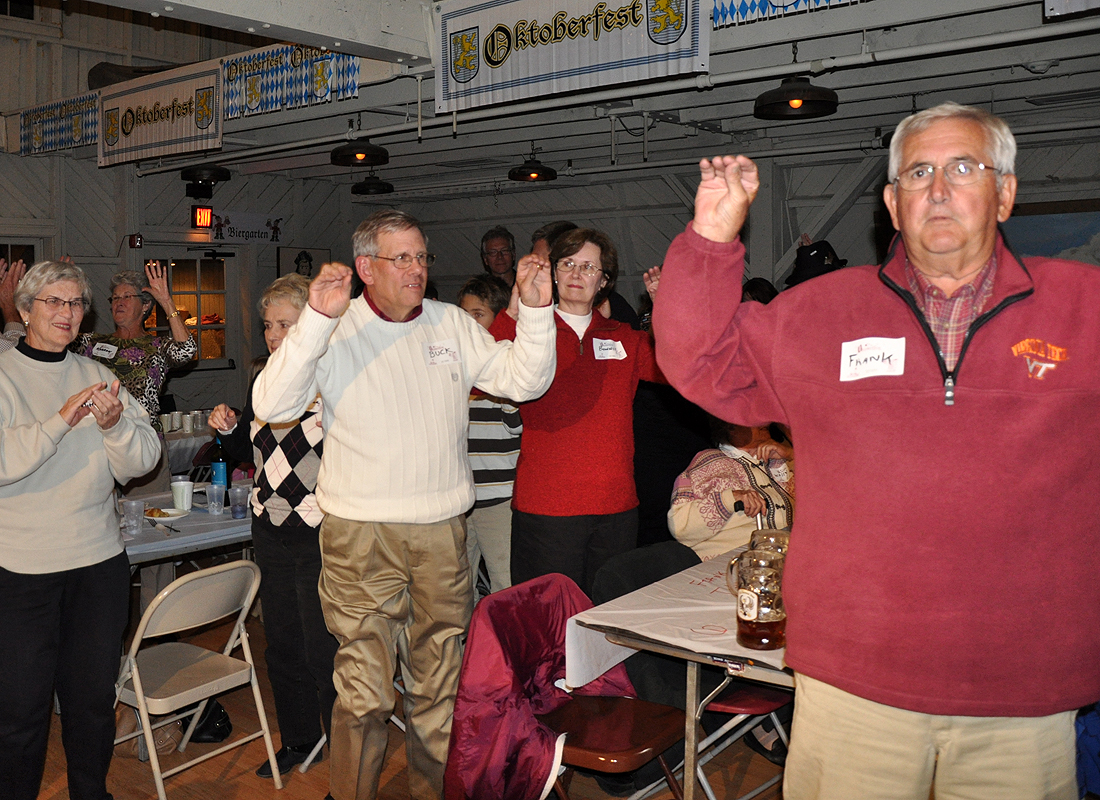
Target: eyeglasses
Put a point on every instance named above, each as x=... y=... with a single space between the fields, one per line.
x=55 y=303
x=405 y=260
x=960 y=172
x=587 y=269
x=118 y=298
x=498 y=253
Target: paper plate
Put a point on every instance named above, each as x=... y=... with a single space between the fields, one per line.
x=170 y=514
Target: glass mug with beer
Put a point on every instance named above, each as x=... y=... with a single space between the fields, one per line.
x=754 y=578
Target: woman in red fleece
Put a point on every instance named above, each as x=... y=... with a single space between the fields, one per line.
x=574 y=503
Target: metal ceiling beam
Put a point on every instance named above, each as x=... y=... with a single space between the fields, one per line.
x=387 y=30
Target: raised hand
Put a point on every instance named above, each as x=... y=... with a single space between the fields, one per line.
x=533 y=280
x=727 y=188
x=222 y=418
x=158 y=284
x=9 y=279
x=330 y=291
x=651 y=277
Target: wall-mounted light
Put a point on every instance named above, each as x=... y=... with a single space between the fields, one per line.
x=202 y=217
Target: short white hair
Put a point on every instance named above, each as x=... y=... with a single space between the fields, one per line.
x=999 y=139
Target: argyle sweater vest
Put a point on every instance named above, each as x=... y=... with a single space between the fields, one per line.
x=290 y=454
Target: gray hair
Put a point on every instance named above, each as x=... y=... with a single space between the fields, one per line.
x=998 y=137
x=43 y=274
x=364 y=241
x=135 y=278
x=292 y=288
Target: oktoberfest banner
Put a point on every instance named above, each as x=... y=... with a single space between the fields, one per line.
x=286 y=76
x=164 y=114
x=59 y=125
x=496 y=51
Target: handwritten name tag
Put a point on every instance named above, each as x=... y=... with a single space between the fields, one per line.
x=104 y=350
x=444 y=352
x=608 y=350
x=871 y=357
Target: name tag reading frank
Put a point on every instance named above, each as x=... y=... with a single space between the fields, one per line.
x=440 y=353
x=871 y=357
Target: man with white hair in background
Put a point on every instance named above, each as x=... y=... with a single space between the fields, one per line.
x=942 y=632
x=395 y=371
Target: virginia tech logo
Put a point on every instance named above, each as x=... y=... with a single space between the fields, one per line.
x=666 y=20
x=1041 y=357
x=464 y=55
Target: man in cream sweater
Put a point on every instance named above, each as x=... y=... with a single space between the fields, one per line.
x=395 y=372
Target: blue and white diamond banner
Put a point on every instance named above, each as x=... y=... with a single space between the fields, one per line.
x=740 y=12
x=497 y=51
x=59 y=125
x=286 y=76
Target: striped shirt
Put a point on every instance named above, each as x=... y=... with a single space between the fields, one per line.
x=950 y=317
x=494 y=436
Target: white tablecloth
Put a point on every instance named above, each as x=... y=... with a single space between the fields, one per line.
x=692 y=610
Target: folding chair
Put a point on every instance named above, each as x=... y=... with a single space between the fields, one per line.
x=316 y=751
x=164 y=678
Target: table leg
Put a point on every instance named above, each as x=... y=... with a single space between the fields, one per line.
x=691 y=730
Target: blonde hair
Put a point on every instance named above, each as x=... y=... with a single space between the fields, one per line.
x=293 y=288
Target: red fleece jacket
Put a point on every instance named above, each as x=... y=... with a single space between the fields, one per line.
x=945 y=558
x=577 y=451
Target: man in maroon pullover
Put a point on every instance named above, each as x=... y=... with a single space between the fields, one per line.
x=942 y=633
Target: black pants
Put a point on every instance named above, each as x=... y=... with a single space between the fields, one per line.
x=300 y=650
x=60 y=631
x=574 y=546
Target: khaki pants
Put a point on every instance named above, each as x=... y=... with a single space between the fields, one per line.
x=489 y=534
x=387 y=589
x=844 y=747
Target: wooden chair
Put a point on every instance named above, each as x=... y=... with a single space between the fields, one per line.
x=614 y=734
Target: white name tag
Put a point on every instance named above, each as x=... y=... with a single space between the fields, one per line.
x=608 y=350
x=104 y=350
x=444 y=352
x=871 y=357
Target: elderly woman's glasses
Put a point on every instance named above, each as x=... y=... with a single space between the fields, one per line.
x=121 y=298
x=960 y=172
x=405 y=260
x=587 y=269
x=55 y=303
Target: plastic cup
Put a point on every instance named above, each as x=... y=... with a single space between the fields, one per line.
x=238 y=501
x=166 y=422
x=215 y=498
x=177 y=420
x=132 y=513
x=188 y=423
x=182 y=493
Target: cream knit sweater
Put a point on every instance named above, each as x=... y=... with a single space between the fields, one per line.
x=57 y=508
x=395 y=401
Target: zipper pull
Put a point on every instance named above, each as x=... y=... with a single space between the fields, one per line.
x=949 y=391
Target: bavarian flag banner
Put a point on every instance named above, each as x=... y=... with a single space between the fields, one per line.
x=497 y=51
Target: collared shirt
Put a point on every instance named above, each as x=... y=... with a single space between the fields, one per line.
x=951 y=317
x=412 y=315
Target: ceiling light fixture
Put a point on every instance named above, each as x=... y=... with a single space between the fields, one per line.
x=795 y=98
x=532 y=169
x=201 y=180
x=372 y=184
x=360 y=154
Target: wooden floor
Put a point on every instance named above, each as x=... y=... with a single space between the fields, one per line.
x=231 y=776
